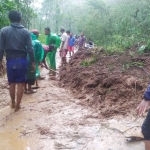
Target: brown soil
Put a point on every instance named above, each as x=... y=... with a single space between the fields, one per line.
x=112 y=84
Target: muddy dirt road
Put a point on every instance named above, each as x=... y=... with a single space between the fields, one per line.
x=53 y=119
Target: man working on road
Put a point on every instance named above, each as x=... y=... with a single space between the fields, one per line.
x=39 y=54
x=53 y=41
x=16 y=41
x=144 y=105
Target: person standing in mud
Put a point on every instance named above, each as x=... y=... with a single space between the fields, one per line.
x=64 y=46
x=82 y=41
x=68 y=33
x=71 y=43
x=53 y=41
x=141 y=109
x=39 y=54
x=16 y=41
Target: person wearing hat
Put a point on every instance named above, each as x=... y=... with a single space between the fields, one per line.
x=39 y=54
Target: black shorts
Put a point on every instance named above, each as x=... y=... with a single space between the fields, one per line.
x=30 y=81
x=146 y=127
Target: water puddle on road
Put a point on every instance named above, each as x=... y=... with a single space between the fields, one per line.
x=11 y=128
x=10 y=140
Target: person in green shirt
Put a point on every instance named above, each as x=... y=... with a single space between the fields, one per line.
x=39 y=54
x=53 y=41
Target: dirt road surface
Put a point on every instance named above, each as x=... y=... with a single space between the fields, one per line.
x=53 y=119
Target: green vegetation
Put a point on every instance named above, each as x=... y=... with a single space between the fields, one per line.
x=22 y=5
x=88 y=61
x=127 y=65
x=113 y=24
x=42 y=38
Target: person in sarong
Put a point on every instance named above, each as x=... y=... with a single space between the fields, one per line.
x=39 y=54
x=53 y=41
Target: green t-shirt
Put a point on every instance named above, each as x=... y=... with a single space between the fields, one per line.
x=53 y=39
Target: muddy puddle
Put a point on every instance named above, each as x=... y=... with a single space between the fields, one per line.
x=53 y=119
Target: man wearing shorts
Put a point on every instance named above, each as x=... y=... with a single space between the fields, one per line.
x=16 y=41
x=144 y=105
x=71 y=43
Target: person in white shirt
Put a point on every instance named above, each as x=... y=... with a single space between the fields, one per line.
x=64 y=46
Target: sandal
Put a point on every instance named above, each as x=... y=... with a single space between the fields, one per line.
x=31 y=92
x=36 y=87
x=41 y=78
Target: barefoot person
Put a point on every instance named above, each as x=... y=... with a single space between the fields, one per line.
x=16 y=41
x=144 y=105
x=53 y=41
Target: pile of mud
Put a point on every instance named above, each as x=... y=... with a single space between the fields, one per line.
x=111 y=84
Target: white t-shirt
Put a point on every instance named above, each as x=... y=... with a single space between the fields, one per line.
x=64 y=38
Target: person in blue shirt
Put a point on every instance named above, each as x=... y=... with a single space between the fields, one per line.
x=71 y=43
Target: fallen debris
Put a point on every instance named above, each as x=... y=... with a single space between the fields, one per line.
x=115 y=83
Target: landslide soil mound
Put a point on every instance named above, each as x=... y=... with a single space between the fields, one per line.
x=111 y=84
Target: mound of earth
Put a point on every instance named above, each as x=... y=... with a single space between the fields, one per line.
x=111 y=84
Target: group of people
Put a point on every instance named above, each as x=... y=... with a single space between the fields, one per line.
x=24 y=53
x=69 y=42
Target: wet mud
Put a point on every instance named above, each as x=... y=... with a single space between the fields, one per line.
x=114 y=83
x=54 y=119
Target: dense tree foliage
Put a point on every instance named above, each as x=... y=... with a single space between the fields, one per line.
x=22 y=5
x=110 y=23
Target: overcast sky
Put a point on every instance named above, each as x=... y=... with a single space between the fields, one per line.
x=38 y=3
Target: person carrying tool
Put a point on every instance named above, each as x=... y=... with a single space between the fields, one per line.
x=141 y=109
x=53 y=41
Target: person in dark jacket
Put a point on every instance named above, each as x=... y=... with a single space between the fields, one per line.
x=15 y=40
x=144 y=105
